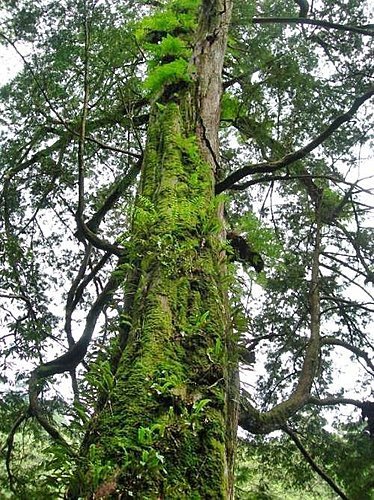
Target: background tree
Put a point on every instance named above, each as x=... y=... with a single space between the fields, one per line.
x=117 y=148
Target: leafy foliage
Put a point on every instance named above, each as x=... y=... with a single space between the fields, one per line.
x=283 y=85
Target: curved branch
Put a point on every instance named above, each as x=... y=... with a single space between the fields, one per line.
x=312 y=463
x=264 y=422
x=84 y=232
x=341 y=343
x=88 y=278
x=73 y=356
x=70 y=302
x=287 y=177
x=35 y=411
x=267 y=167
x=366 y=407
x=362 y=30
x=9 y=446
x=70 y=360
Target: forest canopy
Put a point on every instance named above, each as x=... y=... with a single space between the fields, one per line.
x=186 y=195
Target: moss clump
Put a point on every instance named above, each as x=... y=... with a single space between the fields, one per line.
x=169 y=47
x=167 y=74
x=166 y=36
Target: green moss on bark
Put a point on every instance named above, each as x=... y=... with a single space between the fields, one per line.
x=162 y=431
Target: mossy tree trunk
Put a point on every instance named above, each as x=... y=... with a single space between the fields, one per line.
x=167 y=428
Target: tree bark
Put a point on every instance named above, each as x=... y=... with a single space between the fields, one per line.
x=167 y=427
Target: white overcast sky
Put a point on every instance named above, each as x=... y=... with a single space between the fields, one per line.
x=11 y=63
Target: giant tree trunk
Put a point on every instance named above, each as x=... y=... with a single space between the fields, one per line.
x=167 y=428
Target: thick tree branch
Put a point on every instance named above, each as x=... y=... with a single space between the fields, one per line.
x=84 y=232
x=73 y=357
x=268 y=167
x=314 y=22
x=262 y=423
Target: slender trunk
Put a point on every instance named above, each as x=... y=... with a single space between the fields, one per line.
x=167 y=428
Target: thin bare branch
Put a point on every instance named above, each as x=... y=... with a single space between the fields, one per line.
x=70 y=306
x=287 y=177
x=312 y=463
x=110 y=147
x=84 y=232
x=119 y=187
x=357 y=248
x=43 y=153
